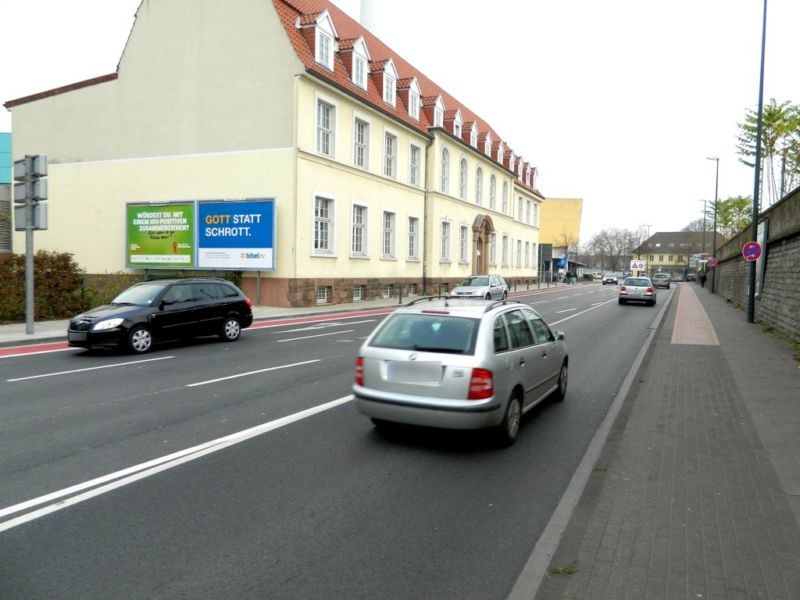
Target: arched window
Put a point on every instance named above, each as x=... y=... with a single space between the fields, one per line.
x=479 y=186
x=445 y=180
x=492 y=192
x=462 y=180
x=505 y=198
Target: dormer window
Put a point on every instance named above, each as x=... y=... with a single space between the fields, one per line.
x=324 y=38
x=390 y=83
x=501 y=152
x=438 y=113
x=457 y=124
x=413 y=100
x=360 y=64
x=487 y=145
x=473 y=136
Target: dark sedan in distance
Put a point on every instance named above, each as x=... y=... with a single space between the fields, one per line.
x=164 y=309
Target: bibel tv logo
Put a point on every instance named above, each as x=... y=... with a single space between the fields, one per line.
x=252 y=256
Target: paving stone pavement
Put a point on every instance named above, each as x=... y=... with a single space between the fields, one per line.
x=695 y=494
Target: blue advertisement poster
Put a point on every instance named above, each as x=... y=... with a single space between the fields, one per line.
x=237 y=235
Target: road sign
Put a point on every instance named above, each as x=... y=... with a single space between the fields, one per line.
x=751 y=251
x=712 y=262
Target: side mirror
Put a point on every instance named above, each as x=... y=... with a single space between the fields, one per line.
x=560 y=336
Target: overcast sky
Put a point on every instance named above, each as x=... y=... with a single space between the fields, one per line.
x=618 y=102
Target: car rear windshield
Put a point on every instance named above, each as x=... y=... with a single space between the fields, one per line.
x=636 y=282
x=428 y=333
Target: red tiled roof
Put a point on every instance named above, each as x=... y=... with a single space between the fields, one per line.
x=348 y=28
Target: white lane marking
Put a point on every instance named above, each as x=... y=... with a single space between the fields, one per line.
x=308 y=337
x=141 y=471
x=125 y=364
x=541 y=302
x=218 y=379
x=562 y=298
x=558 y=312
x=581 y=313
x=322 y=326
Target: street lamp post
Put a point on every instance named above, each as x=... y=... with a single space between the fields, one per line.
x=714 y=234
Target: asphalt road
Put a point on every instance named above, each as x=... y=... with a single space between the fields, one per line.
x=193 y=472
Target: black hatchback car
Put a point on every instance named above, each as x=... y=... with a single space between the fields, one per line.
x=164 y=309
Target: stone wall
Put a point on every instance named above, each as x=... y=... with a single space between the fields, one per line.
x=778 y=304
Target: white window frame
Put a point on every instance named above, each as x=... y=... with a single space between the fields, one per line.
x=444 y=183
x=324 y=48
x=438 y=113
x=363 y=145
x=323 y=224
x=463 y=243
x=358 y=230
x=473 y=136
x=414 y=158
x=388 y=234
x=414 y=95
x=444 y=247
x=390 y=84
x=505 y=250
x=527 y=254
x=493 y=249
x=479 y=186
x=519 y=253
x=360 y=71
x=493 y=192
x=505 y=198
x=326 y=132
x=463 y=167
x=390 y=141
x=519 y=209
x=528 y=212
x=413 y=238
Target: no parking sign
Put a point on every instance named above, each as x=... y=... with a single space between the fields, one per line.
x=751 y=251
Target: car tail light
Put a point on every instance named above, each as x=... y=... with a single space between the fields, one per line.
x=650 y=290
x=360 y=370
x=481 y=385
x=248 y=302
x=622 y=288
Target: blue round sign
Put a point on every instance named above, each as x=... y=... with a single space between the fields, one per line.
x=751 y=251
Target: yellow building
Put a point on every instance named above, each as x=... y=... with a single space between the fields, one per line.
x=378 y=179
x=560 y=226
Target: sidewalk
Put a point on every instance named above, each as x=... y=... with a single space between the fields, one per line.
x=696 y=493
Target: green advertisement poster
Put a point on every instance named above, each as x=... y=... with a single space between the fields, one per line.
x=160 y=235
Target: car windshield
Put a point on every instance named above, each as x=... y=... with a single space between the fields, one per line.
x=475 y=282
x=431 y=333
x=140 y=295
x=637 y=282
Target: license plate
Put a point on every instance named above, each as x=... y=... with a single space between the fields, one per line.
x=77 y=336
x=414 y=372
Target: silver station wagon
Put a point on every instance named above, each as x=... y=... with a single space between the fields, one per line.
x=460 y=364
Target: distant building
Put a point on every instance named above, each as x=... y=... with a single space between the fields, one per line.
x=378 y=178
x=560 y=225
x=671 y=252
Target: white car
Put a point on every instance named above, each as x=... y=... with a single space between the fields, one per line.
x=483 y=287
x=637 y=289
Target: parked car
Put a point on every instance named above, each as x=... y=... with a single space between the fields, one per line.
x=677 y=277
x=153 y=311
x=691 y=276
x=661 y=280
x=482 y=286
x=610 y=278
x=637 y=289
x=460 y=364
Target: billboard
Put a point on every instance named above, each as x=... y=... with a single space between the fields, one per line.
x=204 y=234
x=236 y=235
x=160 y=235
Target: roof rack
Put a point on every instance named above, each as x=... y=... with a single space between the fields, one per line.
x=428 y=299
x=502 y=302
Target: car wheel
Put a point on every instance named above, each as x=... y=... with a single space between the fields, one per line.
x=487 y=297
x=508 y=430
x=561 y=391
x=140 y=339
x=231 y=329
